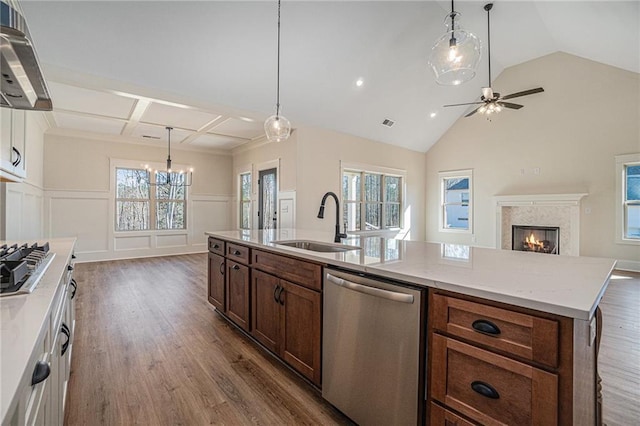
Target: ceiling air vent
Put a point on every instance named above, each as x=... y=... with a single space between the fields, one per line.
x=388 y=122
x=151 y=137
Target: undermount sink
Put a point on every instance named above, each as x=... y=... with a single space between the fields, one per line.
x=316 y=246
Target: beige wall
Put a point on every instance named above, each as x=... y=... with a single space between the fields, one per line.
x=79 y=197
x=75 y=163
x=320 y=152
x=588 y=114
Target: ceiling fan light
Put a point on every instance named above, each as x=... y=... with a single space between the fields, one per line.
x=455 y=55
x=277 y=128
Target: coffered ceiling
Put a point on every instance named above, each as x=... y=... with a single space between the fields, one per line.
x=208 y=68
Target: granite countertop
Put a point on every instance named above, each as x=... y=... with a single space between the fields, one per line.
x=571 y=286
x=22 y=318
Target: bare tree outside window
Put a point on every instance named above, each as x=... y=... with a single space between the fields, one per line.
x=137 y=204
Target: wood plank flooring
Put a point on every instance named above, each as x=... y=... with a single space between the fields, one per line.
x=619 y=358
x=150 y=350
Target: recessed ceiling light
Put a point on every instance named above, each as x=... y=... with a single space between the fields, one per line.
x=359 y=82
x=433 y=114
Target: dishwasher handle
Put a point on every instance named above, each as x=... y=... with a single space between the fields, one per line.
x=373 y=291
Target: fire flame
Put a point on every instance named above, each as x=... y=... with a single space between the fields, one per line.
x=532 y=242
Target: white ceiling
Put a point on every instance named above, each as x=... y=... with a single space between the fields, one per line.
x=208 y=68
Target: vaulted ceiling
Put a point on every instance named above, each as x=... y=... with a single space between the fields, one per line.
x=208 y=68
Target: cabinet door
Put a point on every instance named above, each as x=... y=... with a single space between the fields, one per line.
x=237 y=293
x=265 y=309
x=6 y=115
x=216 y=281
x=19 y=143
x=300 y=329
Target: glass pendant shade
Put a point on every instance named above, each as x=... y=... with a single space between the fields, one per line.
x=455 y=56
x=277 y=128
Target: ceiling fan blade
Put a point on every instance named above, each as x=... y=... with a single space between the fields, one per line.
x=472 y=112
x=470 y=103
x=510 y=105
x=524 y=93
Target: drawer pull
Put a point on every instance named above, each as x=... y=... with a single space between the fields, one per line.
x=216 y=246
x=485 y=389
x=237 y=252
x=40 y=373
x=235 y=267
x=486 y=327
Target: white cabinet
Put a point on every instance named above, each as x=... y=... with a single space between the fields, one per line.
x=13 y=138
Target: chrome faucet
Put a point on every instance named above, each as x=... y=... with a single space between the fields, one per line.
x=338 y=235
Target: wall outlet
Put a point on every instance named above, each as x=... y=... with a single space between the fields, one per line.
x=536 y=170
x=587 y=210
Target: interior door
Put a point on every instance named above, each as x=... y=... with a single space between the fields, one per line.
x=268 y=187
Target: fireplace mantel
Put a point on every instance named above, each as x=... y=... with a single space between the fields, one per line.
x=568 y=205
x=540 y=199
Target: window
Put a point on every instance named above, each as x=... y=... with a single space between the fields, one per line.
x=137 y=202
x=456 y=201
x=245 y=201
x=628 y=188
x=371 y=200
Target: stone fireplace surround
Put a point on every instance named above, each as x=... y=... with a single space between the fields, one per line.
x=562 y=210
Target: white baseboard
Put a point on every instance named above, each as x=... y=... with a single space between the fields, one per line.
x=107 y=256
x=628 y=265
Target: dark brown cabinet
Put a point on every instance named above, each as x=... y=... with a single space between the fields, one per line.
x=286 y=319
x=237 y=293
x=216 y=281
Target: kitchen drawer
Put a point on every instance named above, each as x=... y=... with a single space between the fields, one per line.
x=523 y=335
x=304 y=273
x=216 y=246
x=238 y=253
x=442 y=417
x=489 y=388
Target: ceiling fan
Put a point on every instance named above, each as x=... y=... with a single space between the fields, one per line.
x=490 y=101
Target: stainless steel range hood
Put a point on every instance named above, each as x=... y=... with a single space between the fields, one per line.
x=23 y=85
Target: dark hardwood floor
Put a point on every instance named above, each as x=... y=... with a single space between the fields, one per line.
x=150 y=350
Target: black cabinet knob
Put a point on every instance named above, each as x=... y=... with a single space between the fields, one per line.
x=69 y=268
x=73 y=256
x=40 y=372
x=236 y=267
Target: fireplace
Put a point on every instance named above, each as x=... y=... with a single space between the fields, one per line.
x=539 y=239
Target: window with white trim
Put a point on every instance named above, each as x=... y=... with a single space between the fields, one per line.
x=628 y=189
x=371 y=200
x=456 y=198
x=141 y=205
x=244 y=220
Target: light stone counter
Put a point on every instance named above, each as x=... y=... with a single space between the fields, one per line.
x=563 y=285
x=23 y=319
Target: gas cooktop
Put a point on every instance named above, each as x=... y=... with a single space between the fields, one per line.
x=22 y=267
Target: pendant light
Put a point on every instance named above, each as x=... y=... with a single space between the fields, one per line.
x=180 y=178
x=455 y=56
x=277 y=127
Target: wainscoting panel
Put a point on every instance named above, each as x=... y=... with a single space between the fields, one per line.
x=209 y=214
x=24 y=216
x=139 y=242
x=89 y=216
x=179 y=240
x=82 y=217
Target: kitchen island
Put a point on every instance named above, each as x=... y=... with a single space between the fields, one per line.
x=528 y=321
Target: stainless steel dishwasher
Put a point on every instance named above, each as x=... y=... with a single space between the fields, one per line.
x=371 y=354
